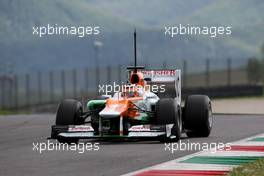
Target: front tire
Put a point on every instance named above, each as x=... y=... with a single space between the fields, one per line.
x=198 y=119
x=69 y=113
x=167 y=112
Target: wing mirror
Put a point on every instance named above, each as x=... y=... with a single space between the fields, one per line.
x=147 y=79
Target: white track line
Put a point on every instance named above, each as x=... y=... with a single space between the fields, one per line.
x=232 y=153
x=187 y=166
x=249 y=143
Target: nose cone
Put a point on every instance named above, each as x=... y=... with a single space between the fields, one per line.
x=113 y=109
x=109 y=113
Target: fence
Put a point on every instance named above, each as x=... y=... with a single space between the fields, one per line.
x=33 y=89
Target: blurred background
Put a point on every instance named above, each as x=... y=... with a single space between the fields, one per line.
x=35 y=72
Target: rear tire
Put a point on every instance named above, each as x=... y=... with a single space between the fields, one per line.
x=68 y=113
x=167 y=112
x=198 y=118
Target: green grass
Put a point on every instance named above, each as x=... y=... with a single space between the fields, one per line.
x=7 y=112
x=12 y=112
x=256 y=168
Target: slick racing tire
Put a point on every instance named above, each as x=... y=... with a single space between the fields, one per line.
x=167 y=112
x=198 y=119
x=68 y=113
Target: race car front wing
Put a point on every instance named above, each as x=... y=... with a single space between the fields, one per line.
x=87 y=132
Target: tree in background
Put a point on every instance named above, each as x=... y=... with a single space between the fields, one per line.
x=254 y=70
x=262 y=62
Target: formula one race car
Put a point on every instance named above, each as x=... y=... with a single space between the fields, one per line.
x=136 y=111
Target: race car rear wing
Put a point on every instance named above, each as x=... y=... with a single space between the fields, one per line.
x=170 y=79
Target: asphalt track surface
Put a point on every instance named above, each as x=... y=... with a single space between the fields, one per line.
x=18 y=132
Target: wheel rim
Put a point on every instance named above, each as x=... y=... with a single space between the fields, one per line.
x=210 y=116
x=180 y=122
x=177 y=125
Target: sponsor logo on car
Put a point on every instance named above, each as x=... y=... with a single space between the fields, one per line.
x=80 y=128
